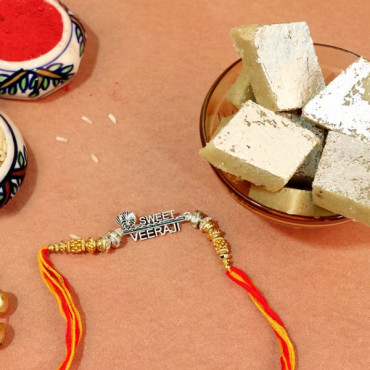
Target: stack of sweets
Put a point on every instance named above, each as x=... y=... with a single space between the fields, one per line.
x=283 y=154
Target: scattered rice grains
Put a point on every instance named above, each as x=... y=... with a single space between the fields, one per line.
x=112 y=117
x=87 y=120
x=94 y=158
x=61 y=139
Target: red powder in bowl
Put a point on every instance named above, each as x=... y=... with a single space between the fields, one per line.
x=28 y=29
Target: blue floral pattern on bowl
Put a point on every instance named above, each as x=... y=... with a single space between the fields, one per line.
x=36 y=78
x=14 y=167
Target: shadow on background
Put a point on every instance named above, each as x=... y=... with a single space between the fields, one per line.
x=345 y=236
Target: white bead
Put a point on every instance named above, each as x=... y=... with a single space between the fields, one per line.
x=203 y=221
x=119 y=231
x=115 y=239
x=187 y=216
x=108 y=243
x=195 y=218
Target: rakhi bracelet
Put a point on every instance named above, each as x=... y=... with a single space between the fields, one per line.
x=150 y=227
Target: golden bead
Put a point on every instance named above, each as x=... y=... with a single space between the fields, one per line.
x=54 y=248
x=100 y=245
x=90 y=245
x=4 y=302
x=220 y=243
x=203 y=221
x=221 y=246
x=208 y=225
x=51 y=248
x=62 y=246
x=226 y=261
x=221 y=252
x=76 y=246
x=214 y=233
x=2 y=334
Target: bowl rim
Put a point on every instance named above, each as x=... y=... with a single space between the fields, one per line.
x=9 y=134
x=258 y=208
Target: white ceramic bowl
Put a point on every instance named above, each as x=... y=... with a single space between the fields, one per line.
x=13 y=169
x=38 y=77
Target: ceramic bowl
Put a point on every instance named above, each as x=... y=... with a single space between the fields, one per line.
x=38 y=77
x=13 y=168
x=333 y=60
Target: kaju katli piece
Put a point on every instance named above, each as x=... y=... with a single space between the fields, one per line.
x=151 y=226
x=281 y=62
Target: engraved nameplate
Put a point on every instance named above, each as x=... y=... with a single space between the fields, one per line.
x=150 y=226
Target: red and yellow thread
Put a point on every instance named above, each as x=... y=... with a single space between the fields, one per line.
x=58 y=286
x=286 y=347
x=222 y=248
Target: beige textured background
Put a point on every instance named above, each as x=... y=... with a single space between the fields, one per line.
x=165 y=303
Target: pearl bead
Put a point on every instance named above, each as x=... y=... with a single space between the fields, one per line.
x=2 y=334
x=3 y=302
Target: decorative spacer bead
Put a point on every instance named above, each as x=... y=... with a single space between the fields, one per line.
x=63 y=247
x=114 y=238
x=76 y=246
x=119 y=231
x=187 y=216
x=210 y=224
x=58 y=247
x=51 y=248
x=108 y=243
x=203 y=221
x=195 y=219
x=90 y=245
x=100 y=245
x=214 y=233
x=220 y=243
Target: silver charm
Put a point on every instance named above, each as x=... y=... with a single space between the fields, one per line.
x=127 y=220
x=150 y=226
